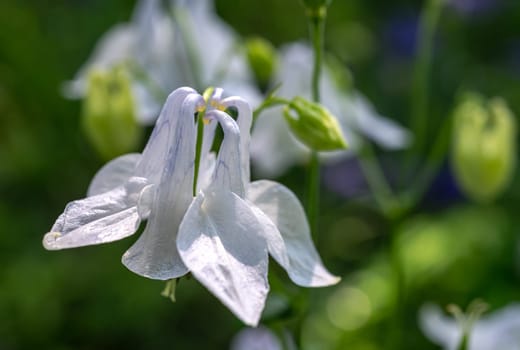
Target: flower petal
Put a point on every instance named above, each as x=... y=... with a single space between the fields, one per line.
x=220 y=242
x=98 y=219
x=206 y=170
x=154 y=254
x=113 y=174
x=283 y=208
x=440 y=329
x=157 y=148
x=228 y=170
x=244 y=121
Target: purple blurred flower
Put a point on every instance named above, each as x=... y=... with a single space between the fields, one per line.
x=345 y=178
x=400 y=34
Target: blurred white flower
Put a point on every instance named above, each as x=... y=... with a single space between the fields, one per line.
x=165 y=48
x=274 y=150
x=146 y=43
x=499 y=330
x=260 y=338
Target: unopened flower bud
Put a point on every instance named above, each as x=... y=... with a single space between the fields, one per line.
x=261 y=56
x=109 y=116
x=314 y=125
x=483 y=146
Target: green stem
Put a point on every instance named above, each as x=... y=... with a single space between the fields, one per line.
x=397 y=339
x=464 y=343
x=208 y=94
x=431 y=166
x=317 y=30
x=422 y=73
x=313 y=196
x=376 y=180
x=268 y=103
x=198 y=150
x=317 y=24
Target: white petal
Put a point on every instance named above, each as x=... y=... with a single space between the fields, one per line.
x=228 y=171
x=155 y=255
x=273 y=149
x=275 y=243
x=98 y=219
x=220 y=242
x=244 y=121
x=147 y=104
x=157 y=148
x=113 y=174
x=285 y=211
x=383 y=131
x=498 y=330
x=210 y=35
x=206 y=170
x=440 y=329
x=208 y=137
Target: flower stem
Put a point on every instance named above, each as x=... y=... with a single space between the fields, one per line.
x=375 y=177
x=313 y=195
x=268 y=103
x=421 y=75
x=317 y=30
x=198 y=150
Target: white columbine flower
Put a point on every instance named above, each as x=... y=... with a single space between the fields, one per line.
x=223 y=235
x=273 y=150
x=499 y=330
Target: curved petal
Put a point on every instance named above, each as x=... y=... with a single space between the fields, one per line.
x=154 y=254
x=220 y=242
x=206 y=170
x=154 y=155
x=275 y=243
x=440 y=329
x=244 y=121
x=228 y=170
x=98 y=219
x=113 y=174
x=280 y=205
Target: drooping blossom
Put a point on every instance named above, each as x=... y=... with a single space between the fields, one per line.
x=222 y=236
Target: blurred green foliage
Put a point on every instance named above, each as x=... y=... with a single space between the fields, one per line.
x=451 y=251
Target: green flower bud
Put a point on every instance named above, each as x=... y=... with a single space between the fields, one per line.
x=261 y=56
x=484 y=146
x=109 y=117
x=314 y=125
